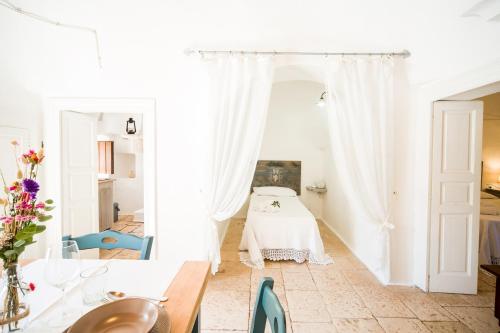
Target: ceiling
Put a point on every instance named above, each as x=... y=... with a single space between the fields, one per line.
x=142 y=44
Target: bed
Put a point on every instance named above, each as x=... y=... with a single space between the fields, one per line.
x=489 y=230
x=280 y=227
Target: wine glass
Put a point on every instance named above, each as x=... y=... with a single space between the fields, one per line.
x=60 y=272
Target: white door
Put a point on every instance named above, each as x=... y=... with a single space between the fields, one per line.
x=79 y=174
x=456 y=178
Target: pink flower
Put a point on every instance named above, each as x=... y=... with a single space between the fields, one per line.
x=6 y=219
x=23 y=205
x=32 y=286
x=40 y=205
x=12 y=188
x=25 y=218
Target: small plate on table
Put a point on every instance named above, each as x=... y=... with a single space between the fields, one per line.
x=128 y=315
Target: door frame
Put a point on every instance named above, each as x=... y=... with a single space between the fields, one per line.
x=53 y=108
x=424 y=101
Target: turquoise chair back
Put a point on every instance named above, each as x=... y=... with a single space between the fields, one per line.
x=268 y=306
x=111 y=239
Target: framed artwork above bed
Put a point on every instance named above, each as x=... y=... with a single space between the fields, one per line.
x=278 y=173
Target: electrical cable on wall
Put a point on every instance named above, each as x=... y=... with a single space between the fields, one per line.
x=7 y=4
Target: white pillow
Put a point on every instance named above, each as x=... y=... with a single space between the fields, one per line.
x=485 y=195
x=275 y=191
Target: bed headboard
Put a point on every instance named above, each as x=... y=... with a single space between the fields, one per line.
x=278 y=173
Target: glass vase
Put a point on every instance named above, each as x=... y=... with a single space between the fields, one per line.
x=13 y=308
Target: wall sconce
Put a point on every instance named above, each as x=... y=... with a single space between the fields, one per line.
x=131 y=126
x=321 y=103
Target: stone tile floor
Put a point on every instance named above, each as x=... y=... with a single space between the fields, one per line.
x=127 y=225
x=343 y=297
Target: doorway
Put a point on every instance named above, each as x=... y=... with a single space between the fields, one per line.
x=462 y=171
x=94 y=159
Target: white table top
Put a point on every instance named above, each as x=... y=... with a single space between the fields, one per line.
x=134 y=277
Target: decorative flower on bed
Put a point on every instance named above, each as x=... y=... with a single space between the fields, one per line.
x=276 y=204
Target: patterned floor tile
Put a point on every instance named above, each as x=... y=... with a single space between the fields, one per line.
x=313 y=327
x=307 y=306
x=357 y=326
x=402 y=325
x=480 y=320
x=298 y=281
x=447 y=327
x=392 y=309
x=225 y=309
x=342 y=297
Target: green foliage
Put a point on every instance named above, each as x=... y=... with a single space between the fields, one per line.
x=28 y=231
x=43 y=218
x=10 y=253
x=23 y=238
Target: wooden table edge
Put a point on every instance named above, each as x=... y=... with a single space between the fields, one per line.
x=185 y=294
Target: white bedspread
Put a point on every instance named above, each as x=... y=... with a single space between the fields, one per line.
x=489 y=240
x=490 y=206
x=287 y=233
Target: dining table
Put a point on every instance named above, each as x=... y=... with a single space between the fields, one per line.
x=184 y=287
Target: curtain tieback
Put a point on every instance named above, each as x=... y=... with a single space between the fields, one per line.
x=386 y=225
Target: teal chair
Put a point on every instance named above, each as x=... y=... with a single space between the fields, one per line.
x=111 y=239
x=267 y=306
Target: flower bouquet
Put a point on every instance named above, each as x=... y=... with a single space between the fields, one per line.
x=21 y=218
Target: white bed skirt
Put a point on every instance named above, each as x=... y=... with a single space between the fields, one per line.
x=291 y=233
x=298 y=256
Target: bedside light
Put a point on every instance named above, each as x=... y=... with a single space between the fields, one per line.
x=321 y=103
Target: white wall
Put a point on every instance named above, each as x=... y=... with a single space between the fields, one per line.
x=491 y=139
x=142 y=47
x=296 y=131
x=115 y=123
x=127 y=192
x=401 y=238
x=491 y=152
x=23 y=113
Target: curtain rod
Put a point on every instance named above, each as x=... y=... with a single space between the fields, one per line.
x=404 y=53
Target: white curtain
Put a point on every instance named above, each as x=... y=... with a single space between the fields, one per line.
x=234 y=119
x=360 y=120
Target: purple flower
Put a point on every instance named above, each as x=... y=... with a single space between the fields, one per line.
x=31 y=186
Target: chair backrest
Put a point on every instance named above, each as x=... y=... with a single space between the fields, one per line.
x=268 y=306
x=111 y=239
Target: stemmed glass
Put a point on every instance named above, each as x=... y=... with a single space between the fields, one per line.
x=60 y=272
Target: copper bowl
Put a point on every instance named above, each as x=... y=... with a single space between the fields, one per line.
x=129 y=315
